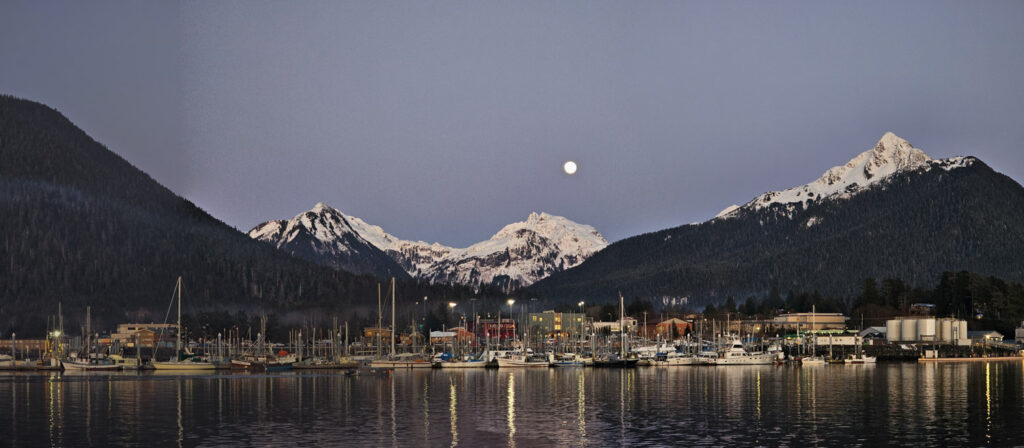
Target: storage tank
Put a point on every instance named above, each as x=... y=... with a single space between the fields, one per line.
x=926 y=329
x=908 y=329
x=962 y=325
x=892 y=330
x=946 y=330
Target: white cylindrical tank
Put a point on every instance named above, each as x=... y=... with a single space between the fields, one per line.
x=892 y=330
x=926 y=329
x=946 y=330
x=962 y=325
x=908 y=329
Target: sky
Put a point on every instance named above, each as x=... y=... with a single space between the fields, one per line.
x=444 y=121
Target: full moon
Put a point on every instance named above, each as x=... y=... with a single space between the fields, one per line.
x=569 y=167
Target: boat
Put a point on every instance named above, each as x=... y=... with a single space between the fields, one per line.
x=814 y=359
x=571 y=360
x=319 y=363
x=92 y=363
x=615 y=361
x=89 y=362
x=524 y=359
x=179 y=362
x=396 y=361
x=675 y=358
x=466 y=364
x=447 y=361
x=399 y=363
x=737 y=355
x=860 y=357
x=620 y=360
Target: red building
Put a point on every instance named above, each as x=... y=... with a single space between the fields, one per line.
x=492 y=329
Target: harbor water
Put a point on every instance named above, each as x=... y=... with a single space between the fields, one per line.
x=863 y=405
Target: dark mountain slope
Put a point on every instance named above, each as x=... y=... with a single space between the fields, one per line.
x=915 y=225
x=81 y=226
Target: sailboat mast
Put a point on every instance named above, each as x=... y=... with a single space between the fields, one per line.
x=394 y=326
x=622 y=325
x=380 y=320
x=177 y=353
x=88 y=331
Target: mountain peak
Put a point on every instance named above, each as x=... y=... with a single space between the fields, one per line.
x=321 y=207
x=889 y=156
x=890 y=141
x=519 y=254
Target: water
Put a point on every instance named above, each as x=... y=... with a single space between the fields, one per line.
x=905 y=404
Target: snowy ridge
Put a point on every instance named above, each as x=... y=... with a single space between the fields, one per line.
x=890 y=155
x=517 y=255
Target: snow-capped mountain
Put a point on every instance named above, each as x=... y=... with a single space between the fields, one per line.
x=518 y=255
x=890 y=155
x=326 y=236
x=891 y=212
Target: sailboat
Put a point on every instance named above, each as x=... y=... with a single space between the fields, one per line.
x=176 y=363
x=814 y=359
x=89 y=362
x=611 y=360
x=395 y=361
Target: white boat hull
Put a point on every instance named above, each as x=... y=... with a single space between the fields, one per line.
x=87 y=367
x=184 y=365
x=745 y=360
x=463 y=365
x=401 y=365
x=680 y=361
x=512 y=362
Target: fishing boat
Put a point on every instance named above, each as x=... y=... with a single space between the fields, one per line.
x=462 y=364
x=620 y=360
x=89 y=361
x=179 y=362
x=525 y=359
x=860 y=357
x=736 y=354
x=675 y=358
x=396 y=361
x=571 y=360
x=90 y=364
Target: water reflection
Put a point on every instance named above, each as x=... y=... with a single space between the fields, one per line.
x=963 y=404
x=453 y=399
x=511 y=409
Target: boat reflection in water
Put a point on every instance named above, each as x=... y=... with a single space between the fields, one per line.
x=960 y=404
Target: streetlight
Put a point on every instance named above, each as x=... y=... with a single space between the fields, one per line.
x=511 y=312
x=582 y=325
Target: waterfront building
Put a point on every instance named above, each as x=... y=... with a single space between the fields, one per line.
x=811 y=321
x=492 y=329
x=615 y=326
x=371 y=333
x=982 y=337
x=673 y=328
x=148 y=333
x=552 y=324
x=460 y=335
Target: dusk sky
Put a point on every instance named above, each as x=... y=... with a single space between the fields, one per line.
x=444 y=121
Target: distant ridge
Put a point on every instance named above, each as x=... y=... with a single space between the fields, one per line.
x=517 y=255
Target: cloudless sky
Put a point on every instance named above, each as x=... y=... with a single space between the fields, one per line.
x=444 y=121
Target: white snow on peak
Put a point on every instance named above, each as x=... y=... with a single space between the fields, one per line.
x=523 y=251
x=889 y=156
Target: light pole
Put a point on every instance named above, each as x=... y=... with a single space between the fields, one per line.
x=511 y=303
x=583 y=320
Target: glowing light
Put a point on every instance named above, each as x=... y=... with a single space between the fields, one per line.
x=569 y=167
